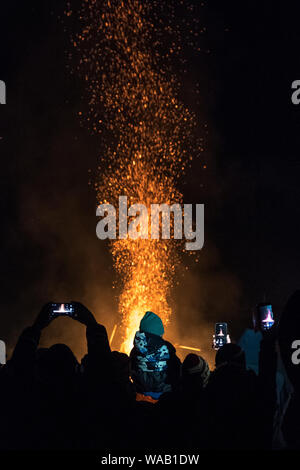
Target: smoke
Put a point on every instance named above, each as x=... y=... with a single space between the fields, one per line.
x=207 y=293
x=51 y=249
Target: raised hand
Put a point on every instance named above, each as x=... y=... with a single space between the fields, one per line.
x=44 y=318
x=83 y=315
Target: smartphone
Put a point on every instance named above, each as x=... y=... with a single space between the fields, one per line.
x=220 y=335
x=59 y=309
x=2 y=353
x=264 y=318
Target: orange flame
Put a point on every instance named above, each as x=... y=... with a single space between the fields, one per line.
x=147 y=140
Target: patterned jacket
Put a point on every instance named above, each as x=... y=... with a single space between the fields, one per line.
x=155 y=368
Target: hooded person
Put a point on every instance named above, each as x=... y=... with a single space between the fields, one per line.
x=195 y=374
x=154 y=366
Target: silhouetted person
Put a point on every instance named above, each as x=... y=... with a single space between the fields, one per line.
x=155 y=371
x=183 y=408
x=51 y=403
x=240 y=404
x=195 y=375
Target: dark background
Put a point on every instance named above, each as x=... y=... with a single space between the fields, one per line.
x=249 y=58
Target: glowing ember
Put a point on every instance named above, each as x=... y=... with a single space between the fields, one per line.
x=113 y=334
x=147 y=137
x=188 y=347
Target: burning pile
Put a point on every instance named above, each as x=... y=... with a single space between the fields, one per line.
x=147 y=137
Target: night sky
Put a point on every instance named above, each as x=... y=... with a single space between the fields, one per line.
x=250 y=186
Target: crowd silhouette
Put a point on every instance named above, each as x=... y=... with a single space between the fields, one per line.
x=149 y=399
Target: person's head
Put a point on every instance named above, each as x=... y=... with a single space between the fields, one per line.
x=195 y=371
x=122 y=362
x=151 y=323
x=288 y=335
x=56 y=364
x=231 y=354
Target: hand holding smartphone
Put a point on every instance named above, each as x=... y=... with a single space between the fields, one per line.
x=62 y=309
x=263 y=317
x=82 y=314
x=221 y=336
x=74 y=310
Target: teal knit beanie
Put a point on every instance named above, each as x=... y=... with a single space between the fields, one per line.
x=151 y=323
